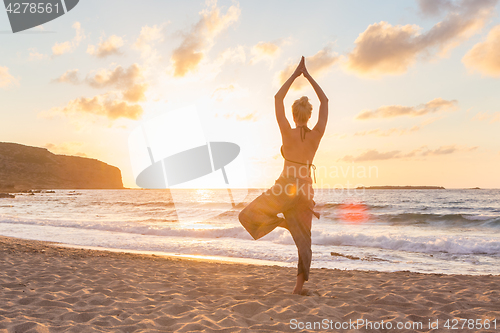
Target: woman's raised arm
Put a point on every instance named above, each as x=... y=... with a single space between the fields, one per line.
x=280 y=96
x=323 y=106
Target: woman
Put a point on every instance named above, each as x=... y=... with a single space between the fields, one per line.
x=292 y=194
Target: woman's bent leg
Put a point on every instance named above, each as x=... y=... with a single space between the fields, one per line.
x=260 y=216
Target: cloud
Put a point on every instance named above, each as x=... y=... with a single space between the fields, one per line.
x=135 y=93
x=61 y=48
x=226 y=92
x=434 y=7
x=424 y=151
x=118 y=77
x=396 y=131
x=199 y=40
x=317 y=65
x=481 y=116
x=66 y=148
x=391 y=111
x=235 y=54
x=248 y=117
x=147 y=38
x=371 y=155
x=128 y=88
x=389 y=132
x=70 y=46
x=443 y=150
x=266 y=48
x=35 y=55
x=149 y=34
x=108 y=105
x=321 y=61
x=386 y=49
x=5 y=78
x=70 y=76
x=125 y=79
x=382 y=48
x=264 y=51
x=220 y=93
x=484 y=57
x=106 y=48
x=485 y=116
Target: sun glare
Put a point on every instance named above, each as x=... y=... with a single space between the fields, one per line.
x=353 y=212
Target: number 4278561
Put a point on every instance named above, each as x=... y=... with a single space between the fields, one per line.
x=456 y=324
x=32 y=7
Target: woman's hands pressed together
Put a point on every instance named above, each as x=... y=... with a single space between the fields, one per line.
x=300 y=68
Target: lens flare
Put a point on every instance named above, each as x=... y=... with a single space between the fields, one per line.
x=291 y=190
x=353 y=212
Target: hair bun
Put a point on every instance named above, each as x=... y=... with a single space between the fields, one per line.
x=302 y=109
x=304 y=100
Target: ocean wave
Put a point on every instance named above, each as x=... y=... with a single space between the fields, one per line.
x=325 y=206
x=165 y=230
x=443 y=219
x=162 y=204
x=422 y=244
x=492 y=223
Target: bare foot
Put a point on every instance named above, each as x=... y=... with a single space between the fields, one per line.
x=298 y=286
x=304 y=292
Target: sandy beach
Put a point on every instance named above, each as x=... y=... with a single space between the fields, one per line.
x=53 y=289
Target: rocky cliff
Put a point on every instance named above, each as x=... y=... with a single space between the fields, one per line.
x=24 y=167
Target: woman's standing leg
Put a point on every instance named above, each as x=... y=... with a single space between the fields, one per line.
x=299 y=220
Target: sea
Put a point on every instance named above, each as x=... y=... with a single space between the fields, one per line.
x=444 y=231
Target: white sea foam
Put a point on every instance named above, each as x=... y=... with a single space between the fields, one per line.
x=424 y=244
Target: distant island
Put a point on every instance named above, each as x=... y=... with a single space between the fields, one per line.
x=400 y=188
x=24 y=167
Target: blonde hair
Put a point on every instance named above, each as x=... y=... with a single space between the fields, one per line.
x=302 y=109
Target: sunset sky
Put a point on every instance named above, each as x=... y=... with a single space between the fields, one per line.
x=413 y=86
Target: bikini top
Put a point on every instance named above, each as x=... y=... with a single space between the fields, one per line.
x=303 y=131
